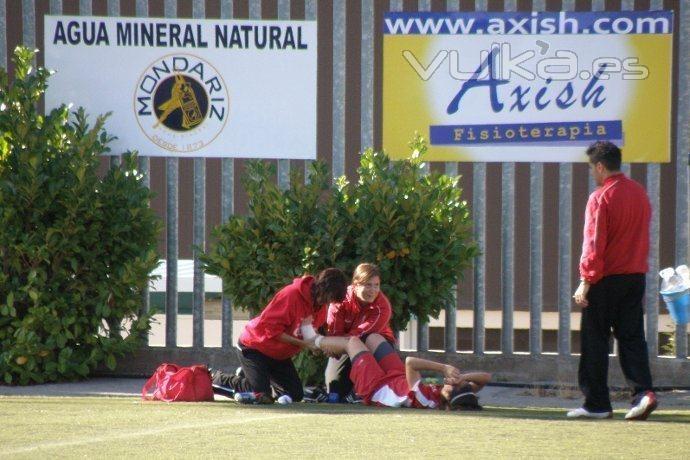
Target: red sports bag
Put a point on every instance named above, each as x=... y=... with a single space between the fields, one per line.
x=171 y=383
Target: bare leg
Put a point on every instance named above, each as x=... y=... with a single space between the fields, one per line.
x=337 y=375
x=338 y=345
x=373 y=341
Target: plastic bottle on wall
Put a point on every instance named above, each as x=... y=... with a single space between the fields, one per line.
x=671 y=281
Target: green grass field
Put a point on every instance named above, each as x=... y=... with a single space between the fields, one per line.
x=40 y=427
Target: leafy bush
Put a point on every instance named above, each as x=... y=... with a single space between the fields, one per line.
x=76 y=250
x=415 y=226
x=310 y=367
x=285 y=235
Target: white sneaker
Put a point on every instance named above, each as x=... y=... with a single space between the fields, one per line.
x=581 y=412
x=285 y=399
x=642 y=409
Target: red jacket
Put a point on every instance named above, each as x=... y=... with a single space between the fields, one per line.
x=616 y=236
x=349 y=317
x=284 y=313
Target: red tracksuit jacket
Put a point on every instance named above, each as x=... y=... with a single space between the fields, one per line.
x=284 y=313
x=350 y=318
x=616 y=235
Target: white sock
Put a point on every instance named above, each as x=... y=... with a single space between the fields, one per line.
x=308 y=331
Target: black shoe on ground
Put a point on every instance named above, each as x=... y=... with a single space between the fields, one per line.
x=223 y=390
x=216 y=386
x=212 y=372
x=315 y=395
x=352 y=398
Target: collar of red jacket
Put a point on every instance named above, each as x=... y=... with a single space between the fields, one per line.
x=613 y=177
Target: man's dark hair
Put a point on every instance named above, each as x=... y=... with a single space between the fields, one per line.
x=606 y=153
x=329 y=286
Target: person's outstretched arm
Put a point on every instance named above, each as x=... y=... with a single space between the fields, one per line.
x=477 y=379
x=287 y=338
x=413 y=366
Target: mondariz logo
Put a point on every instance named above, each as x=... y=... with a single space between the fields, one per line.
x=181 y=103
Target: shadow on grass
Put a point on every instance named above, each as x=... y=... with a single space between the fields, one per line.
x=311 y=408
x=522 y=413
x=531 y=413
x=559 y=414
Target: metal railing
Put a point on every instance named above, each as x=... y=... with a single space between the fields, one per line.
x=369 y=135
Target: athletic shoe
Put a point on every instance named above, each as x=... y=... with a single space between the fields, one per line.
x=223 y=390
x=250 y=397
x=264 y=399
x=581 y=412
x=213 y=372
x=646 y=403
x=216 y=386
x=352 y=398
x=284 y=399
x=315 y=394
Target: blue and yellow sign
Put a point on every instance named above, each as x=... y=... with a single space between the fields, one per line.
x=536 y=87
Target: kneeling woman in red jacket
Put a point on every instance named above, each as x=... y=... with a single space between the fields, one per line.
x=270 y=340
x=364 y=311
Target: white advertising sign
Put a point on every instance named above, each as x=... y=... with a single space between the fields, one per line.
x=190 y=87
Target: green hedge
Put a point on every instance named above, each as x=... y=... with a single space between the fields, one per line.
x=76 y=249
x=415 y=226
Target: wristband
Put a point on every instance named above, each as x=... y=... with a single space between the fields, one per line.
x=308 y=331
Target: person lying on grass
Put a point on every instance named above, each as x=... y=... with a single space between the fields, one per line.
x=381 y=378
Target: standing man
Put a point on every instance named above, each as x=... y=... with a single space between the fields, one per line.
x=612 y=272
